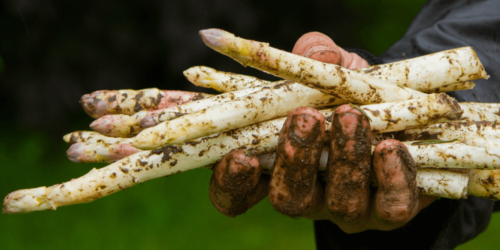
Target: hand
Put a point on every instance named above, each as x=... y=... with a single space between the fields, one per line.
x=294 y=188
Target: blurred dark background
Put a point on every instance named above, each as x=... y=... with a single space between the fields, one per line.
x=53 y=52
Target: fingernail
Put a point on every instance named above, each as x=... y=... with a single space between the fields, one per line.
x=316 y=49
x=304 y=125
x=323 y=54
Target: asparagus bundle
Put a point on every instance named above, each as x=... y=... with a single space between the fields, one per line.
x=397 y=116
x=146 y=165
x=238 y=120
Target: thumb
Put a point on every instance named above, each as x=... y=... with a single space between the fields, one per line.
x=320 y=47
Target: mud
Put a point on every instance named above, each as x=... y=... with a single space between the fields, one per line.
x=233 y=205
x=237 y=176
x=294 y=189
x=138 y=106
x=166 y=152
x=390 y=189
x=348 y=172
x=235 y=185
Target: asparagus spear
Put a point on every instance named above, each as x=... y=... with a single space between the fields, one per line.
x=493 y=108
x=453 y=87
x=128 y=102
x=485 y=184
x=206 y=77
x=452 y=155
x=331 y=79
x=93 y=137
x=268 y=103
x=467 y=131
x=221 y=81
x=432 y=71
x=279 y=101
x=98 y=152
x=129 y=125
x=431 y=109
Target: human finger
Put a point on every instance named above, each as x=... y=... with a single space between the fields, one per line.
x=347 y=192
x=397 y=198
x=236 y=185
x=294 y=189
x=320 y=47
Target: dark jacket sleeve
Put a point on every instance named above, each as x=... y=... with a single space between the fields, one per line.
x=445 y=224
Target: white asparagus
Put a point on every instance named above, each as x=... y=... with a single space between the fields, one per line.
x=268 y=103
x=474 y=114
x=194 y=107
x=98 y=152
x=468 y=132
x=120 y=125
x=493 y=108
x=221 y=81
x=453 y=87
x=432 y=71
x=452 y=155
x=279 y=101
x=485 y=184
x=146 y=165
x=431 y=109
x=93 y=137
x=331 y=79
x=443 y=183
x=127 y=101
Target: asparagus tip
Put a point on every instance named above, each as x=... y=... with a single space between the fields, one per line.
x=147 y=122
x=191 y=74
x=102 y=125
x=87 y=102
x=212 y=38
x=74 y=152
x=67 y=137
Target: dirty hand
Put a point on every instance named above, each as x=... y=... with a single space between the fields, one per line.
x=346 y=197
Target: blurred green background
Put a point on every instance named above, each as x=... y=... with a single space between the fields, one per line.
x=52 y=52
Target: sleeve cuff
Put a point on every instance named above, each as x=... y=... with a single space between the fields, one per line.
x=369 y=57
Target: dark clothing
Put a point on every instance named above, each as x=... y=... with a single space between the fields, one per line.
x=445 y=224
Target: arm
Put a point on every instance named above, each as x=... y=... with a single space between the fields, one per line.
x=440 y=25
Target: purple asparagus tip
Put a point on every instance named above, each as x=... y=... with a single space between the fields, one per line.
x=212 y=38
x=75 y=151
x=101 y=125
x=148 y=122
x=93 y=105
